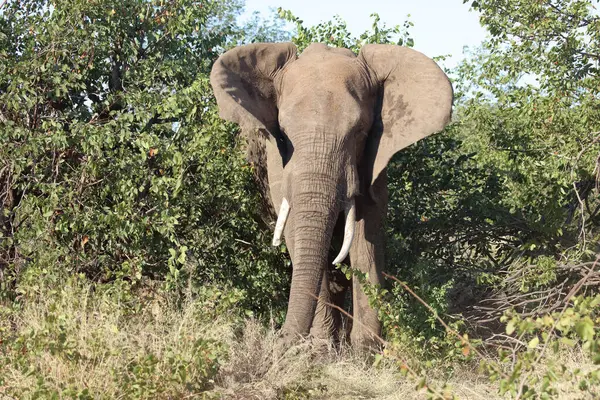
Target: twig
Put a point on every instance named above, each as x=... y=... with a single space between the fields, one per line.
x=582 y=232
x=573 y=173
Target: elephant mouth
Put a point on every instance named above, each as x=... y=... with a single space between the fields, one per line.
x=349 y=226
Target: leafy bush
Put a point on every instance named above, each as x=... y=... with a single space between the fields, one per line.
x=530 y=372
x=114 y=160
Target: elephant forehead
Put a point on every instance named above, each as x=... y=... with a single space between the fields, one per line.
x=325 y=70
x=325 y=87
x=338 y=105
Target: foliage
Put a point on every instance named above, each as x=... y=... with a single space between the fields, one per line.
x=114 y=160
x=527 y=104
x=524 y=368
x=556 y=41
x=335 y=33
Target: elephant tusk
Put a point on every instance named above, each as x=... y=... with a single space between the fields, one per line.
x=348 y=233
x=284 y=210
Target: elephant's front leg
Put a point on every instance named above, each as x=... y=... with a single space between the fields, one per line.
x=368 y=256
x=324 y=322
x=327 y=322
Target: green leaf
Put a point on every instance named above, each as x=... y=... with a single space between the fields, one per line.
x=533 y=343
x=377 y=359
x=585 y=329
x=510 y=327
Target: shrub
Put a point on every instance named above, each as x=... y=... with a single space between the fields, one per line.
x=114 y=160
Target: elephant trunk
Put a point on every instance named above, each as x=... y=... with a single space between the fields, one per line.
x=315 y=207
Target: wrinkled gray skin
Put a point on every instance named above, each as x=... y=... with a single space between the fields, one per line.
x=322 y=128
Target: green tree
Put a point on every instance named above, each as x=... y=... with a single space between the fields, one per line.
x=529 y=109
x=336 y=33
x=504 y=204
x=114 y=161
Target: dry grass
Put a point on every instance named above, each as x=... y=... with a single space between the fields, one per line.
x=76 y=342
x=321 y=372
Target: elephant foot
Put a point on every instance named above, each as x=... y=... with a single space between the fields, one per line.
x=318 y=348
x=286 y=341
x=323 y=348
x=364 y=342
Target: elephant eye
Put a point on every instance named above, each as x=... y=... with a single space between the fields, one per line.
x=281 y=136
x=285 y=146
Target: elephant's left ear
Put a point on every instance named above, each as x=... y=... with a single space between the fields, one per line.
x=415 y=101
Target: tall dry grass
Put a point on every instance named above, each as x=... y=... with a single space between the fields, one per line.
x=86 y=341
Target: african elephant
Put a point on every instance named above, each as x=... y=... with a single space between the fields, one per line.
x=321 y=128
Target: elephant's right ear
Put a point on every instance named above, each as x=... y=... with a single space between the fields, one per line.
x=243 y=80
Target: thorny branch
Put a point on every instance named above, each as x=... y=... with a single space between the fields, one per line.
x=533 y=303
x=413 y=374
x=590 y=272
x=463 y=339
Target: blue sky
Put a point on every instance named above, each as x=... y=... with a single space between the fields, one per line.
x=440 y=26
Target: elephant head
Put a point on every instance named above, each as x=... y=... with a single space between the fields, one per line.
x=336 y=119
